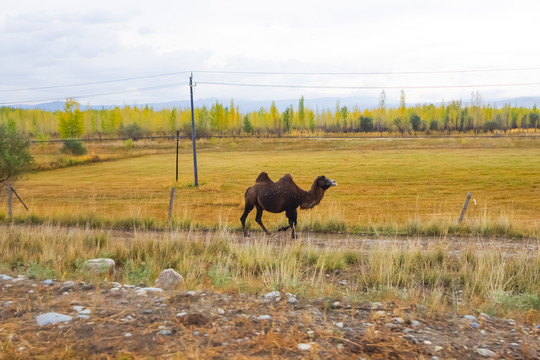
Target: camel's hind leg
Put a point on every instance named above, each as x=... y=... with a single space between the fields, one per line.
x=258 y=219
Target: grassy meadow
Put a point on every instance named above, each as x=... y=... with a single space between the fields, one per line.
x=385 y=186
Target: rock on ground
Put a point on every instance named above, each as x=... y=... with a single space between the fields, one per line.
x=100 y=266
x=52 y=318
x=169 y=280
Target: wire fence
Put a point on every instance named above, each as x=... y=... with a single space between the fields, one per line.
x=271 y=136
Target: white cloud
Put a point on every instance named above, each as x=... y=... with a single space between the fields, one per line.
x=61 y=42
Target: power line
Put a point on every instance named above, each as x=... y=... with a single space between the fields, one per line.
x=272 y=73
x=95 y=82
x=292 y=86
x=170 y=85
x=157 y=87
x=366 y=87
x=367 y=72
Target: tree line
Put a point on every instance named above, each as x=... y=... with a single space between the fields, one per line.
x=136 y=122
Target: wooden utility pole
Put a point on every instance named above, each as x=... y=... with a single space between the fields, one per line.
x=193 y=132
x=177 y=141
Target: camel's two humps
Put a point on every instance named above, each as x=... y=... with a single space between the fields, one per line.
x=283 y=195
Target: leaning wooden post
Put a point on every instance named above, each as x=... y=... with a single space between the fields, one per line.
x=464 y=208
x=171 y=201
x=18 y=197
x=10 y=200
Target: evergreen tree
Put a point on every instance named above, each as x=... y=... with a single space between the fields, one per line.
x=287 y=118
x=248 y=127
x=344 y=113
x=415 y=120
x=366 y=124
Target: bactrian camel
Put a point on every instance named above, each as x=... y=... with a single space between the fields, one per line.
x=283 y=195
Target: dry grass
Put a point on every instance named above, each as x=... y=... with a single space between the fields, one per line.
x=439 y=274
x=405 y=186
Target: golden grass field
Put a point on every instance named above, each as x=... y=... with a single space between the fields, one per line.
x=384 y=185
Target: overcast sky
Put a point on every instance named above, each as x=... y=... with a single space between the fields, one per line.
x=433 y=50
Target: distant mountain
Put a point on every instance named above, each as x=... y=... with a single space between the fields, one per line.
x=526 y=102
x=48 y=106
x=328 y=103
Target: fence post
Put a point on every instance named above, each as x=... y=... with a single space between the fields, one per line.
x=171 y=201
x=464 y=208
x=10 y=200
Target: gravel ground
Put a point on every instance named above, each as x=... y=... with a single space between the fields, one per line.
x=126 y=321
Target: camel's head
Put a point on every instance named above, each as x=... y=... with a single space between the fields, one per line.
x=324 y=182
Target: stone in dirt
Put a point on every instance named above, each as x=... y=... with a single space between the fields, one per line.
x=291 y=299
x=376 y=305
x=100 y=266
x=169 y=280
x=273 y=295
x=52 y=318
x=146 y=290
x=486 y=353
x=304 y=347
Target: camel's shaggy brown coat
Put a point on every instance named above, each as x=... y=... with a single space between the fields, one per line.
x=280 y=196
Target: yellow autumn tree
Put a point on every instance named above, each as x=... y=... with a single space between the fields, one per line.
x=71 y=120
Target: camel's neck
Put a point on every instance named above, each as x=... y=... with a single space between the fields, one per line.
x=312 y=197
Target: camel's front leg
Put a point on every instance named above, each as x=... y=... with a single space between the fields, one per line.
x=292 y=216
x=258 y=219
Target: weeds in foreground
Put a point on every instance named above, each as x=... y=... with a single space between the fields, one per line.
x=488 y=279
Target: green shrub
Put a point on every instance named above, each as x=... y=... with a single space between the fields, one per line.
x=74 y=147
x=128 y=144
x=132 y=131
